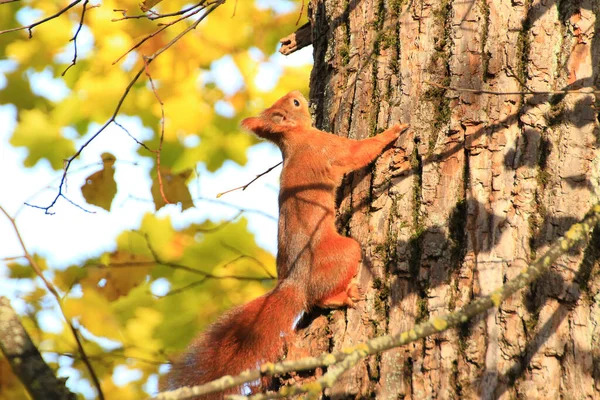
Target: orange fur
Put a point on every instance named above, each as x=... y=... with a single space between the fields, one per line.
x=244 y=338
x=310 y=250
x=315 y=264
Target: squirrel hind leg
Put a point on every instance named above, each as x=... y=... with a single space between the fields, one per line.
x=348 y=297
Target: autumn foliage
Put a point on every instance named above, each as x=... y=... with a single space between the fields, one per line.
x=180 y=100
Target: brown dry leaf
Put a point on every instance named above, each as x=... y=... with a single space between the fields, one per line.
x=123 y=272
x=148 y=4
x=174 y=188
x=100 y=187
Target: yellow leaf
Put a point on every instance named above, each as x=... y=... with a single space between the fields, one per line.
x=126 y=392
x=140 y=331
x=48 y=40
x=98 y=91
x=10 y=384
x=94 y=313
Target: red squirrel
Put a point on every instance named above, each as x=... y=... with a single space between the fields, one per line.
x=315 y=264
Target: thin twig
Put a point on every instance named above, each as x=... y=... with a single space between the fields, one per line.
x=48 y=186
x=133 y=137
x=165 y=26
x=208 y=275
x=41 y=21
x=145 y=264
x=158 y=151
x=84 y=145
x=153 y=16
x=300 y=13
x=244 y=255
x=218 y=202
x=74 y=38
x=12 y=258
x=102 y=356
x=221 y=225
x=78 y=206
x=243 y=187
x=185 y=287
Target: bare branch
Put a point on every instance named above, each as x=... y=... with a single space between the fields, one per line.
x=158 y=151
x=243 y=187
x=165 y=26
x=74 y=38
x=30 y=27
x=300 y=13
x=221 y=203
x=297 y=40
x=244 y=255
x=153 y=15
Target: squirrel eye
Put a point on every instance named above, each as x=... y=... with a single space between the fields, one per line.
x=296 y=103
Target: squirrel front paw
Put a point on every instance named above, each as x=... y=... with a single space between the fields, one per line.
x=397 y=129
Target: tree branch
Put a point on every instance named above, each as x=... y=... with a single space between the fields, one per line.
x=297 y=40
x=41 y=21
x=152 y=16
x=25 y=359
x=74 y=38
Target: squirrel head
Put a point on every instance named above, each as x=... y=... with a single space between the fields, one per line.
x=291 y=111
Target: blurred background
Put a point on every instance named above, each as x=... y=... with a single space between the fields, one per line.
x=137 y=278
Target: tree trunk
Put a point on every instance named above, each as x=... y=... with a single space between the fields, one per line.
x=480 y=185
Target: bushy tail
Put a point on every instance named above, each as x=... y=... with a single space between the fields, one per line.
x=244 y=338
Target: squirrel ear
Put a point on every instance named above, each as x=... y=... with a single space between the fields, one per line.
x=278 y=118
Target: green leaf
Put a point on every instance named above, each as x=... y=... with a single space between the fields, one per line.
x=18 y=92
x=20 y=271
x=42 y=138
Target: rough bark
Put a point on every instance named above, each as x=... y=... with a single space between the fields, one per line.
x=479 y=186
x=25 y=359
